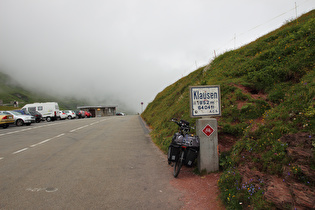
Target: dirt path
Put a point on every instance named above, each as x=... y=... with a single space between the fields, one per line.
x=200 y=192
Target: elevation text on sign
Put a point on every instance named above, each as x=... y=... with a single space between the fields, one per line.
x=205 y=101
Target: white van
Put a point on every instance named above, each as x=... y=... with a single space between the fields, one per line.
x=49 y=110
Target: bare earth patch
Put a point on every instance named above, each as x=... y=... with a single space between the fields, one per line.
x=254 y=95
x=200 y=192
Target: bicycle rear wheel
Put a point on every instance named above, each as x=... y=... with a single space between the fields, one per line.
x=179 y=163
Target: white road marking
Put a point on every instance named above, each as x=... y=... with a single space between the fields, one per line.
x=78 y=128
x=51 y=189
x=42 y=142
x=47 y=140
x=60 y=135
x=21 y=150
x=49 y=124
x=26 y=129
x=35 y=189
x=12 y=132
x=48 y=189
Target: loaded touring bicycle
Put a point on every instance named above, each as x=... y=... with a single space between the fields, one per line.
x=184 y=148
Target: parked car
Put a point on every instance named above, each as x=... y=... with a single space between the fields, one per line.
x=120 y=114
x=70 y=114
x=36 y=114
x=62 y=115
x=20 y=119
x=80 y=114
x=6 y=120
x=88 y=114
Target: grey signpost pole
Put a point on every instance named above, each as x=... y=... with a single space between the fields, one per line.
x=208 y=155
x=205 y=102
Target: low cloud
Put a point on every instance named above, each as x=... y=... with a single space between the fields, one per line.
x=125 y=52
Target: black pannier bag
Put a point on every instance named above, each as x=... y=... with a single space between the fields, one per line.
x=191 y=155
x=173 y=152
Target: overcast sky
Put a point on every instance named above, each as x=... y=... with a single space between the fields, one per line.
x=125 y=52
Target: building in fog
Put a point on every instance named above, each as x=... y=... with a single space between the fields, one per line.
x=99 y=111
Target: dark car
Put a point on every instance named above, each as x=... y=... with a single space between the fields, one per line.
x=80 y=114
x=37 y=115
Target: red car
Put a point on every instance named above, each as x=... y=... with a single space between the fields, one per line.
x=88 y=114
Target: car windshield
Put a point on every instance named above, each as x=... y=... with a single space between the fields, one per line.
x=16 y=113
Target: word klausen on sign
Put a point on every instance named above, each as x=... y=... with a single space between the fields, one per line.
x=205 y=101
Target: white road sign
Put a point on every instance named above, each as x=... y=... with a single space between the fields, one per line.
x=205 y=101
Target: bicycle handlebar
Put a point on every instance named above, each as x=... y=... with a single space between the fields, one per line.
x=182 y=124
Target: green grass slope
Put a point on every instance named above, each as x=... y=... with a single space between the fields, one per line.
x=11 y=91
x=268 y=97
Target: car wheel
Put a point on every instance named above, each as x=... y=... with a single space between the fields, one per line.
x=38 y=120
x=19 y=122
x=69 y=117
x=5 y=126
x=48 y=119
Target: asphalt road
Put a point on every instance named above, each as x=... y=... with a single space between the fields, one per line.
x=97 y=163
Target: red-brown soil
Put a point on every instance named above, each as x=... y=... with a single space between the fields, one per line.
x=200 y=192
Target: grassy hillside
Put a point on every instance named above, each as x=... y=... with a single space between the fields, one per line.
x=268 y=98
x=11 y=91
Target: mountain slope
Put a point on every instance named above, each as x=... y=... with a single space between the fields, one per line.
x=268 y=98
x=11 y=91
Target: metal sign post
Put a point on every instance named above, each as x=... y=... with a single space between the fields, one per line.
x=205 y=102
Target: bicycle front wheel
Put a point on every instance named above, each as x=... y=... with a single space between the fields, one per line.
x=179 y=163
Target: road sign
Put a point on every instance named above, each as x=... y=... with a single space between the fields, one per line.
x=208 y=130
x=205 y=101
